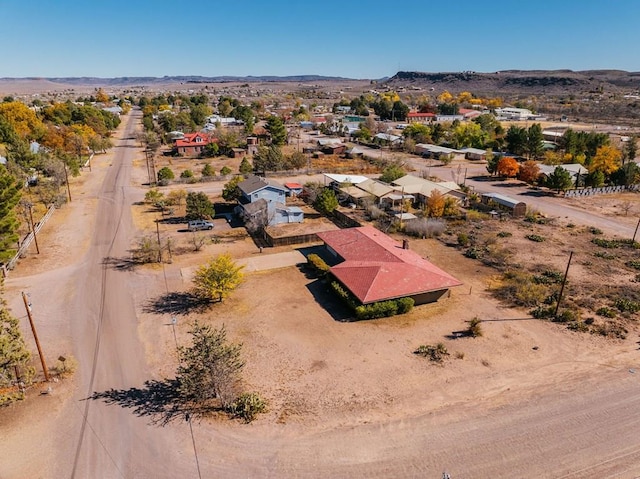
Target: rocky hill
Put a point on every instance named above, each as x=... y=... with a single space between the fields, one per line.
x=529 y=82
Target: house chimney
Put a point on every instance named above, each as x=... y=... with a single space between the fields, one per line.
x=405 y=244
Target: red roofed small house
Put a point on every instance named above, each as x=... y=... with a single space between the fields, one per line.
x=419 y=117
x=375 y=267
x=192 y=143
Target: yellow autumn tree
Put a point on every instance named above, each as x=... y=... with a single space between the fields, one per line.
x=22 y=119
x=435 y=204
x=464 y=97
x=508 y=167
x=607 y=160
x=445 y=97
x=101 y=96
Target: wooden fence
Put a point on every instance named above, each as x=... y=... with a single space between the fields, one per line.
x=29 y=238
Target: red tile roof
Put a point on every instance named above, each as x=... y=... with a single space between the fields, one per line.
x=293 y=186
x=190 y=139
x=377 y=268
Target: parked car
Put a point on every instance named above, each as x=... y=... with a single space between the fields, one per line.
x=197 y=225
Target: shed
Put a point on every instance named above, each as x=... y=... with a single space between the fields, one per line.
x=517 y=208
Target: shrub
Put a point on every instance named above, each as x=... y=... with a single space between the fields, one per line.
x=425 y=227
x=247 y=406
x=536 y=238
x=542 y=312
x=208 y=171
x=566 y=316
x=625 y=305
x=435 y=353
x=405 y=305
x=548 y=277
x=381 y=309
x=186 y=174
x=606 y=312
x=610 y=329
x=635 y=264
x=578 y=326
x=604 y=255
x=504 y=234
x=463 y=239
x=604 y=243
x=318 y=264
x=225 y=171
x=475 y=329
x=595 y=231
x=473 y=253
x=165 y=175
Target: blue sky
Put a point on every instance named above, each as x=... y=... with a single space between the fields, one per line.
x=356 y=39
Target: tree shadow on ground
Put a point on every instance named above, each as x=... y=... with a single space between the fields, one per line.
x=159 y=400
x=328 y=300
x=177 y=302
x=121 y=264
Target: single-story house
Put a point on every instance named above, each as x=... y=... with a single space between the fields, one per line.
x=474 y=153
x=338 y=179
x=433 y=151
x=517 y=208
x=574 y=170
x=418 y=117
x=422 y=188
x=388 y=139
x=256 y=187
x=374 y=267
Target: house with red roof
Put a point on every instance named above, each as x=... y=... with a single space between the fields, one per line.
x=375 y=267
x=192 y=144
x=419 y=117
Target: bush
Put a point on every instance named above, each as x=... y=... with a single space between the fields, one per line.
x=536 y=238
x=186 y=174
x=633 y=264
x=625 y=305
x=405 y=305
x=566 y=316
x=247 y=406
x=425 y=227
x=595 y=231
x=542 y=313
x=381 y=309
x=606 y=312
x=578 y=326
x=225 y=171
x=435 y=353
x=318 y=264
x=463 y=239
x=604 y=243
x=208 y=171
x=473 y=253
x=474 y=329
x=504 y=234
x=610 y=329
x=165 y=175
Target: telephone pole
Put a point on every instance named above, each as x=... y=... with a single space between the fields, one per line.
x=66 y=179
x=564 y=281
x=35 y=336
x=33 y=229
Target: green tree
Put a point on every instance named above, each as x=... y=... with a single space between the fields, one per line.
x=217 y=279
x=399 y=111
x=392 y=172
x=13 y=355
x=469 y=135
x=186 y=174
x=199 y=114
x=231 y=192
x=534 y=141
x=245 y=166
x=165 y=174
x=516 y=138
x=628 y=174
x=492 y=162
x=559 y=180
x=210 y=369
x=595 y=179
x=326 y=202
x=10 y=195
x=268 y=158
x=208 y=171
x=225 y=170
x=199 y=206
x=275 y=127
x=631 y=148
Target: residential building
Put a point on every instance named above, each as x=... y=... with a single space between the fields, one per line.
x=192 y=143
x=374 y=267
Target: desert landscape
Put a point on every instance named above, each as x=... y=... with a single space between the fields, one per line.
x=528 y=398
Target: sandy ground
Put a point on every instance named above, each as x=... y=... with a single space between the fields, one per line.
x=349 y=399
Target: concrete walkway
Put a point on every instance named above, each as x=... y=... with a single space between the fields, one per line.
x=265 y=261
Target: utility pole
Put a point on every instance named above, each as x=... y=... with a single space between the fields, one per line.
x=159 y=243
x=35 y=336
x=66 y=179
x=147 y=154
x=635 y=232
x=564 y=281
x=33 y=229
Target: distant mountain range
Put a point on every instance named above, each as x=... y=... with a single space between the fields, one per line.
x=516 y=82
x=123 y=81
